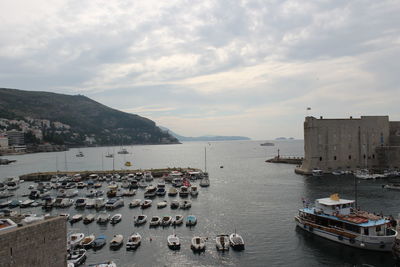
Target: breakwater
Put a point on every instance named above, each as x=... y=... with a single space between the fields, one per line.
x=287 y=160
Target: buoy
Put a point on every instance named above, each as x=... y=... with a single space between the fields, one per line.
x=151 y=239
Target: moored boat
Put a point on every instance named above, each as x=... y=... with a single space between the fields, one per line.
x=76 y=218
x=172 y=191
x=99 y=242
x=162 y=204
x=178 y=220
x=186 y=204
x=89 y=218
x=104 y=264
x=103 y=218
x=133 y=241
x=166 y=220
x=155 y=221
x=141 y=219
x=117 y=241
x=337 y=220
x=116 y=218
x=146 y=204
x=74 y=239
x=193 y=191
x=135 y=203
x=198 y=243
x=87 y=241
x=77 y=256
x=222 y=242
x=205 y=182
x=191 y=220
x=173 y=242
x=236 y=241
x=174 y=204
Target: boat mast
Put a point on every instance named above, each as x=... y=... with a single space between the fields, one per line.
x=205 y=159
x=355 y=191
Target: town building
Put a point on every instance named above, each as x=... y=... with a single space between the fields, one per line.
x=371 y=142
x=15 y=138
x=3 y=142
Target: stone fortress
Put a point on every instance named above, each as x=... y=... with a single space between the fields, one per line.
x=369 y=142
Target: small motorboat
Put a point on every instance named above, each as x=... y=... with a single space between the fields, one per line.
x=116 y=242
x=65 y=215
x=186 y=204
x=114 y=203
x=133 y=241
x=191 y=220
x=141 y=219
x=166 y=220
x=160 y=191
x=150 y=191
x=116 y=218
x=172 y=191
x=193 y=191
x=87 y=241
x=80 y=203
x=198 y=244
x=388 y=186
x=26 y=203
x=104 y=264
x=89 y=218
x=74 y=239
x=99 y=203
x=205 y=182
x=90 y=203
x=222 y=242
x=155 y=221
x=184 y=191
x=129 y=193
x=76 y=218
x=173 y=242
x=146 y=204
x=162 y=204
x=174 y=204
x=66 y=202
x=103 y=218
x=178 y=220
x=99 y=242
x=77 y=256
x=236 y=241
x=135 y=203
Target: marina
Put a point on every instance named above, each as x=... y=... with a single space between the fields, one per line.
x=256 y=200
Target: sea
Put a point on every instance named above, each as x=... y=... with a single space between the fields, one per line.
x=247 y=195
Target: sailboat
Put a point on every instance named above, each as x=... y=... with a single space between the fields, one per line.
x=109 y=155
x=205 y=182
x=123 y=151
x=79 y=154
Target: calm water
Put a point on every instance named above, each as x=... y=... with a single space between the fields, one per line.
x=257 y=199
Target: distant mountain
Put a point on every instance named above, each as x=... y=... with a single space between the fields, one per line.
x=83 y=119
x=284 y=138
x=205 y=137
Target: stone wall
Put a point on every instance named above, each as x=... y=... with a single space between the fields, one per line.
x=39 y=244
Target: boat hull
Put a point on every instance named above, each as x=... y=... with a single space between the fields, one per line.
x=375 y=243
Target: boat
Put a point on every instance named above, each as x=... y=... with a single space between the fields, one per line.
x=90 y=203
x=337 y=220
x=267 y=144
x=129 y=193
x=162 y=204
x=150 y=191
x=65 y=215
x=166 y=220
x=392 y=186
x=222 y=242
x=236 y=241
x=135 y=203
x=191 y=220
x=155 y=221
x=48 y=203
x=109 y=155
x=26 y=203
x=177 y=182
x=193 y=191
x=198 y=243
x=87 y=241
x=89 y=218
x=146 y=204
x=338 y=172
x=77 y=256
x=173 y=242
x=128 y=164
x=116 y=242
x=99 y=203
x=74 y=239
x=80 y=203
x=133 y=241
x=103 y=218
x=317 y=172
x=3 y=186
x=148 y=176
x=160 y=191
x=76 y=218
x=186 y=204
x=104 y=264
x=123 y=151
x=174 y=204
x=178 y=220
x=14 y=203
x=99 y=242
x=66 y=202
x=116 y=218
x=81 y=185
x=172 y=191
x=204 y=182
x=184 y=191
x=79 y=154
x=142 y=183
x=34 y=194
x=141 y=219
x=114 y=203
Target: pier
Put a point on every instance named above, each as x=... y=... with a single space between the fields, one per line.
x=46 y=176
x=287 y=160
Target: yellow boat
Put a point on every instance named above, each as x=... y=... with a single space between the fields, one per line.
x=128 y=164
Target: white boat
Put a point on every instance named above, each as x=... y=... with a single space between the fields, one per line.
x=123 y=151
x=90 y=203
x=141 y=219
x=117 y=241
x=65 y=215
x=77 y=257
x=166 y=220
x=76 y=218
x=71 y=193
x=129 y=193
x=178 y=220
x=146 y=204
x=222 y=242
x=184 y=191
x=26 y=203
x=338 y=172
x=173 y=242
x=198 y=244
x=135 y=203
x=80 y=203
x=148 y=176
x=114 y=203
x=155 y=221
x=116 y=218
x=150 y=191
x=236 y=241
x=104 y=264
x=174 y=204
x=87 y=241
x=142 y=183
x=388 y=186
x=162 y=204
x=103 y=218
x=89 y=218
x=79 y=154
x=185 y=204
x=3 y=186
x=193 y=191
x=337 y=220
x=133 y=241
x=317 y=172
x=74 y=239
x=66 y=202
x=172 y=191
x=205 y=182
x=191 y=220
x=99 y=203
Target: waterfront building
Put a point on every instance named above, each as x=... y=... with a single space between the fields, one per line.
x=371 y=142
x=3 y=143
x=41 y=243
x=16 y=138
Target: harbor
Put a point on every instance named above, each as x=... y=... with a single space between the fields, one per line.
x=247 y=196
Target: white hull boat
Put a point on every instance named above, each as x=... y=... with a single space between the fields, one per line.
x=178 y=220
x=135 y=203
x=222 y=242
x=173 y=242
x=236 y=241
x=117 y=241
x=166 y=220
x=134 y=241
x=198 y=244
x=155 y=221
x=141 y=219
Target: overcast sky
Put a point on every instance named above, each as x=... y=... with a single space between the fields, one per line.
x=218 y=67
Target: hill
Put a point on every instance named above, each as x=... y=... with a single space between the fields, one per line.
x=82 y=119
x=205 y=137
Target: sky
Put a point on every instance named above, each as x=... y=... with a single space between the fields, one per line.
x=248 y=68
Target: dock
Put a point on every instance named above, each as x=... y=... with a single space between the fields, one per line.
x=46 y=176
x=287 y=160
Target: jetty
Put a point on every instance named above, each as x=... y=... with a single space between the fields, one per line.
x=46 y=176
x=287 y=160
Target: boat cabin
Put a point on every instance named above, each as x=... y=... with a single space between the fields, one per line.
x=334 y=205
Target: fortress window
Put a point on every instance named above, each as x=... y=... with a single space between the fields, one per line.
x=364 y=156
x=373 y=156
x=320 y=158
x=349 y=156
x=334 y=158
